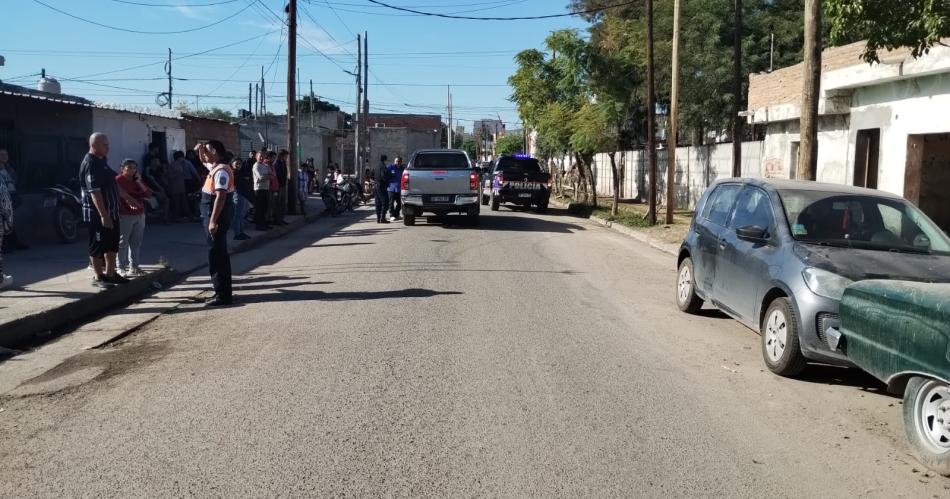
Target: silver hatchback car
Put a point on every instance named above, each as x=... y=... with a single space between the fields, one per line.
x=777 y=255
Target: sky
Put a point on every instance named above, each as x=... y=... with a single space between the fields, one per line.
x=412 y=57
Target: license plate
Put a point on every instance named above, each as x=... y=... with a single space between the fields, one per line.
x=524 y=195
x=440 y=199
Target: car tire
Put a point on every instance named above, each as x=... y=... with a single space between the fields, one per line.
x=409 y=220
x=686 y=298
x=781 y=349
x=484 y=200
x=495 y=202
x=927 y=422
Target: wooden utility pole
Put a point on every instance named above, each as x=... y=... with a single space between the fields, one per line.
x=366 y=141
x=168 y=70
x=808 y=148
x=737 y=90
x=357 y=118
x=674 y=110
x=313 y=110
x=651 y=114
x=291 y=104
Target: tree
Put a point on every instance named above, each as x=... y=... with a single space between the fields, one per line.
x=318 y=105
x=596 y=130
x=510 y=144
x=889 y=24
x=468 y=145
x=215 y=113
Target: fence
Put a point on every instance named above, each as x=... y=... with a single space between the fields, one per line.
x=696 y=168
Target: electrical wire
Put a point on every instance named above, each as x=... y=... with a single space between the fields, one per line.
x=145 y=4
x=139 y=32
x=520 y=18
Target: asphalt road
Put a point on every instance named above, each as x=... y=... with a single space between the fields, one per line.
x=534 y=355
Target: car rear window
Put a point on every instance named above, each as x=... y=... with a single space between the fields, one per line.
x=440 y=161
x=523 y=164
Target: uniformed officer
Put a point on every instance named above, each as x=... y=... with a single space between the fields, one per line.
x=216 y=211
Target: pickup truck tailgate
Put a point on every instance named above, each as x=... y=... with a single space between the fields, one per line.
x=439 y=181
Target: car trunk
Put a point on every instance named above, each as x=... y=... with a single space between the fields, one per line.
x=439 y=181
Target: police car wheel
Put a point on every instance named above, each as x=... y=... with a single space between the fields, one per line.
x=495 y=202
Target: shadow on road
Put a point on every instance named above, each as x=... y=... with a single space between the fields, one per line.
x=843 y=376
x=339 y=245
x=289 y=295
x=506 y=223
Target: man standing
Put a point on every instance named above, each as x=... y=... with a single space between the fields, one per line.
x=6 y=225
x=9 y=178
x=381 y=190
x=395 y=200
x=281 y=170
x=244 y=185
x=216 y=211
x=100 y=209
x=262 y=181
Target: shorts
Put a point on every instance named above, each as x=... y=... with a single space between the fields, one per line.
x=103 y=240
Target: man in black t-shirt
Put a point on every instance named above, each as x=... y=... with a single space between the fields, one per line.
x=100 y=209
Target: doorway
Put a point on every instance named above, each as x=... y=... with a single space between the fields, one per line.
x=927 y=175
x=867 y=151
x=161 y=140
x=793 y=160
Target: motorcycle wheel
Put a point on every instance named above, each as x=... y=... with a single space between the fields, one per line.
x=66 y=224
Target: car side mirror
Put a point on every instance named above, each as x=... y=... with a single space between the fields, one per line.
x=753 y=233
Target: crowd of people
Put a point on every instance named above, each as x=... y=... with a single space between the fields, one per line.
x=207 y=183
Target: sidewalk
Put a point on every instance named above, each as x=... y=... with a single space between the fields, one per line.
x=53 y=288
x=666 y=247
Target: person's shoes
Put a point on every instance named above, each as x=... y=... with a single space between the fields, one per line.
x=218 y=302
x=242 y=237
x=211 y=298
x=398 y=218
x=384 y=221
x=6 y=281
x=115 y=279
x=102 y=283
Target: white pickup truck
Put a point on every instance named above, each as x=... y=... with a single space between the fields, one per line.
x=440 y=181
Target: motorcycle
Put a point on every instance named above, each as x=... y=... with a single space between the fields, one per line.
x=66 y=203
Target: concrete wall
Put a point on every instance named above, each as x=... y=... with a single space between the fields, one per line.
x=399 y=142
x=130 y=133
x=696 y=168
x=780 y=160
x=899 y=109
x=198 y=129
x=313 y=141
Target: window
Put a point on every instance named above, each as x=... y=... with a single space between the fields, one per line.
x=719 y=206
x=440 y=161
x=753 y=208
x=521 y=164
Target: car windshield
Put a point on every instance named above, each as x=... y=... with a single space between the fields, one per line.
x=861 y=221
x=440 y=161
x=523 y=164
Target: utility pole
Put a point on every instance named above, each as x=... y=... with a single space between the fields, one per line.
x=358 y=120
x=737 y=90
x=674 y=110
x=449 y=95
x=366 y=138
x=264 y=108
x=651 y=114
x=168 y=71
x=249 y=108
x=808 y=149
x=257 y=109
x=292 y=162
x=312 y=109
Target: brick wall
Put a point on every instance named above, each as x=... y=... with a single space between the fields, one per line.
x=413 y=121
x=784 y=86
x=206 y=129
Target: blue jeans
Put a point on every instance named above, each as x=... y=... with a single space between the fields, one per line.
x=240 y=210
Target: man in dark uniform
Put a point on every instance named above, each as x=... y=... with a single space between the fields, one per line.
x=216 y=211
x=381 y=192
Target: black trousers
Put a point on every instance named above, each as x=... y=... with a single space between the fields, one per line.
x=261 y=205
x=382 y=201
x=219 y=261
x=395 y=204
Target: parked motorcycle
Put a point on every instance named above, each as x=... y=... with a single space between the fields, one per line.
x=66 y=203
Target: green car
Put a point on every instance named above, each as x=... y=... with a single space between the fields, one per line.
x=899 y=332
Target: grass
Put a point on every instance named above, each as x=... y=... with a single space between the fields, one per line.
x=634 y=215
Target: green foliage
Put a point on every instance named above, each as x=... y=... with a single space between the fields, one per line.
x=888 y=24
x=213 y=113
x=593 y=129
x=318 y=105
x=470 y=147
x=509 y=144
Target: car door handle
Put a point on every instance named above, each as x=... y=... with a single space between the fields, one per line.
x=722 y=244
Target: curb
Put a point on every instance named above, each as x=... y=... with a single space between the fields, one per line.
x=26 y=329
x=665 y=247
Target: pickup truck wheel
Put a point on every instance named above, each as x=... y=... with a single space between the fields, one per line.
x=780 y=347
x=686 y=298
x=484 y=200
x=927 y=422
x=495 y=202
x=409 y=219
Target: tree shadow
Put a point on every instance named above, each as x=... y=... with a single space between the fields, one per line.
x=284 y=295
x=497 y=223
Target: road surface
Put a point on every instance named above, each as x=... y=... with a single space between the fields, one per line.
x=534 y=355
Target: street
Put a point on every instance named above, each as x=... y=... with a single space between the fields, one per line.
x=534 y=355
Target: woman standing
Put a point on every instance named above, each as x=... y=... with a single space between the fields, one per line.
x=131 y=217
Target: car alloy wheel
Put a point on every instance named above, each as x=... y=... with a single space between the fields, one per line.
x=932 y=416
x=776 y=335
x=684 y=284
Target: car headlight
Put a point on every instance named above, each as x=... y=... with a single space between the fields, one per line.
x=824 y=283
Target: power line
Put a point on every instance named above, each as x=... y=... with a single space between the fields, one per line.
x=139 y=32
x=520 y=18
x=145 y=4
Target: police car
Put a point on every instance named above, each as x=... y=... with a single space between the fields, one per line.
x=517 y=180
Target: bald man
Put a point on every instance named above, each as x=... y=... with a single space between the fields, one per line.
x=100 y=209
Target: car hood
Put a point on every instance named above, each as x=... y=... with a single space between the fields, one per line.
x=860 y=264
